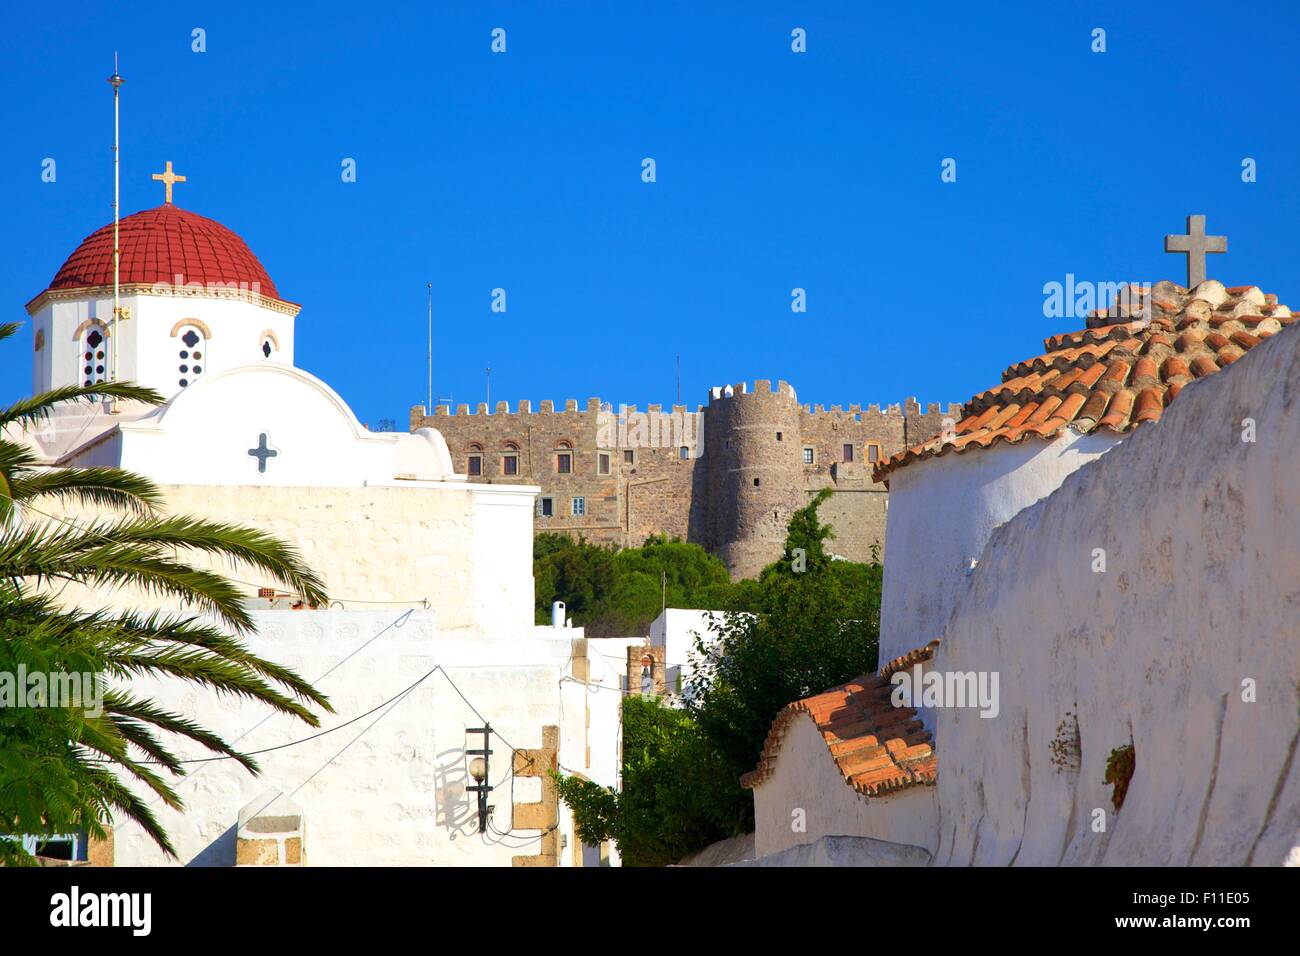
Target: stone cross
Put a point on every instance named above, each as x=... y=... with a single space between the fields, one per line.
x=169 y=179
x=262 y=453
x=1196 y=244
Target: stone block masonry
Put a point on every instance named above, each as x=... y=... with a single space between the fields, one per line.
x=727 y=475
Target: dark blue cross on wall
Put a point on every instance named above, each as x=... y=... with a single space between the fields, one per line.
x=262 y=453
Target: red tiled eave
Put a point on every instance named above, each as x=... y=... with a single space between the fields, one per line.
x=879 y=748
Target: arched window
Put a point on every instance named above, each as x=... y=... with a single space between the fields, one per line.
x=510 y=459
x=270 y=344
x=93 y=358
x=191 y=357
x=475 y=459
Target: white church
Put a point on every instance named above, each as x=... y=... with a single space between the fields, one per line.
x=425 y=571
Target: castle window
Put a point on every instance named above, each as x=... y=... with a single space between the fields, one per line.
x=546 y=507
x=579 y=507
x=191 y=355
x=93 y=359
x=510 y=459
x=602 y=464
x=848 y=453
x=755 y=482
x=564 y=462
x=778 y=436
x=629 y=457
x=684 y=452
x=475 y=468
x=873 y=452
x=808 y=456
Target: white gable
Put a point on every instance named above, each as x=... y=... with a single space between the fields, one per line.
x=266 y=425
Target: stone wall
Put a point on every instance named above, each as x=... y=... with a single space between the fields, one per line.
x=691 y=474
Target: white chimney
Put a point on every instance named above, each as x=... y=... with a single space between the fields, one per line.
x=557 y=614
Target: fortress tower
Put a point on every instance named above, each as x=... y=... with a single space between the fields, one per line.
x=754 y=472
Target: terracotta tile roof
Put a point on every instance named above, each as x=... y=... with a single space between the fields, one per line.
x=1117 y=373
x=159 y=244
x=878 y=747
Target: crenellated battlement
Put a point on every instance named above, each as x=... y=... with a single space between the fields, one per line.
x=910 y=407
x=762 y=387
x=545 y=407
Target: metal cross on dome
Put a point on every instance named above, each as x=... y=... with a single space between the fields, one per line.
x=1196 y=244
x=168 y=179
x=262 y=453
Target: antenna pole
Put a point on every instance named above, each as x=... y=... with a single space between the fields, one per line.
x=489 y=389
x=430 y=348
x=115 y=81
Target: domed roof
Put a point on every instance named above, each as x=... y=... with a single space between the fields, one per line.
x=160 y=244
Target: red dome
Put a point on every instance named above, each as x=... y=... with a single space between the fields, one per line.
x=160 y=244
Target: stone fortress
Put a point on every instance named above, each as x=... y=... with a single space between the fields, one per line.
x=726 y=476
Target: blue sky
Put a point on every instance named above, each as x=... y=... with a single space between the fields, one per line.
x=775 y=170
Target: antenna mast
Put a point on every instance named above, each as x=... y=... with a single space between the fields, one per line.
x=430 y=406
x=115 y=81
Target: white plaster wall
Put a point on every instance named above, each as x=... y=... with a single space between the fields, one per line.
x=941 y=513
x=396 y=796
x=591 y=734
x=674 y=630
x=148 y=352
x=1201 y=592
x=502 y=556
x=806 y=777
x=405 y=545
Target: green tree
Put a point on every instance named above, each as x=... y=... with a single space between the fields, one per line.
x=614 y=592
x=62 y=768
x=577 y=573
x=678 y=794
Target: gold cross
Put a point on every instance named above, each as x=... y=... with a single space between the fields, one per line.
x=168 y=177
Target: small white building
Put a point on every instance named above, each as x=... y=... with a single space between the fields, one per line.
x=676 y=632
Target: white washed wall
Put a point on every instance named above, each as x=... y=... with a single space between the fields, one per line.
x=396 y=796
x=1202 y=585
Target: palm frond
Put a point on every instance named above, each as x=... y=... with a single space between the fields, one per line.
x=96 y=487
